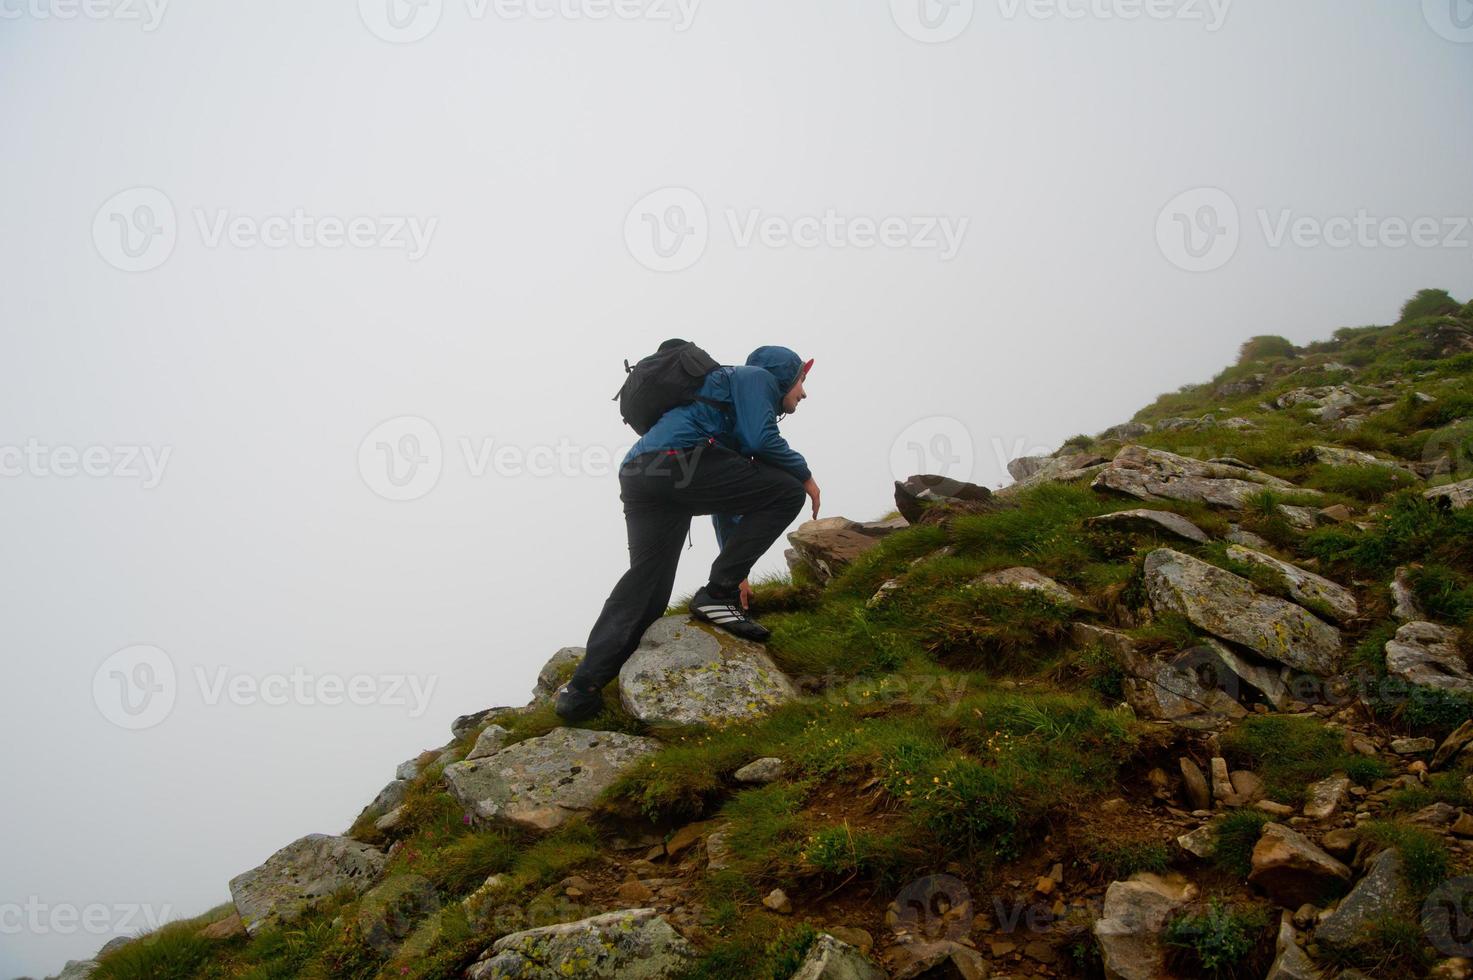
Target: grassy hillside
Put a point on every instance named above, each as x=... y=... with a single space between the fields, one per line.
x=947 y=728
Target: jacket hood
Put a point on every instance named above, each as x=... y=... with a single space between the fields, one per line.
x=780 y=362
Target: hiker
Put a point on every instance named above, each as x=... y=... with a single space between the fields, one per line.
x=717 y=452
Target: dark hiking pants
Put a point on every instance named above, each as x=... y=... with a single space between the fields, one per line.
x=661 y=491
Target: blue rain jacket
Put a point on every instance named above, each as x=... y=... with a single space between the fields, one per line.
x=754 y=391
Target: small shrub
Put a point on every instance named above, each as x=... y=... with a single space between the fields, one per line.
x=1290 y=752
x=1443 y=593
x=1428 y=302
x=1234 y=836
x=1220 y=941
x=1122 y=858
x=1264 y=347
x=1424 y=856
x=1365 y=483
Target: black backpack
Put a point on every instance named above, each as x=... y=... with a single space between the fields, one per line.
x=665 y=379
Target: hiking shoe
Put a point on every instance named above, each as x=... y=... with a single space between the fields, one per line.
x=728 y=614
x=574 y=705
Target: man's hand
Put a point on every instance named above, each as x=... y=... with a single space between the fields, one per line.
x=811 y=488
x=745 y=590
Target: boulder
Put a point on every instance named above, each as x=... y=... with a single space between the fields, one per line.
x=1290 y=962
x=76 y=970
x=1199 y=792
x=1455 y=495
x=1405 y=606
x=1154 y=475
x=635 y=944
x=1032 y=471
x=830 y=959
x=827 y=546
x=1305 y=586
x=760 y=771
x=540 y=783
x=1129 y=930
x=1428 y=655
x=1201 y=842
x=1125 y=431
x=1340 y=456
x=301 y=873
x=1304 y=518
x=915 y=495
x=491 y=740
x=387 y=799
x=1380 y=892
x=1292 y=870
x=1228 y=606
x=935 y=958
x=1457 y=742
x=1160 y=522
x=1323 y=799
x=685 y=672
x=558 y=669
x=1029 y=580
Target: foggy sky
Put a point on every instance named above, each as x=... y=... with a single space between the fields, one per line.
x=971 y=234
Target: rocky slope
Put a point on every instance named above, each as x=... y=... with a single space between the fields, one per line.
x=1191 y=698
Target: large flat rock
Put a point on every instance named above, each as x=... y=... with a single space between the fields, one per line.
x=690 y=673
x=542 y=782
x=1153 y=474
x=1230 y=607
x=1305 y=586
x=1428 y=655
x=301 y=873
x=636 y=944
